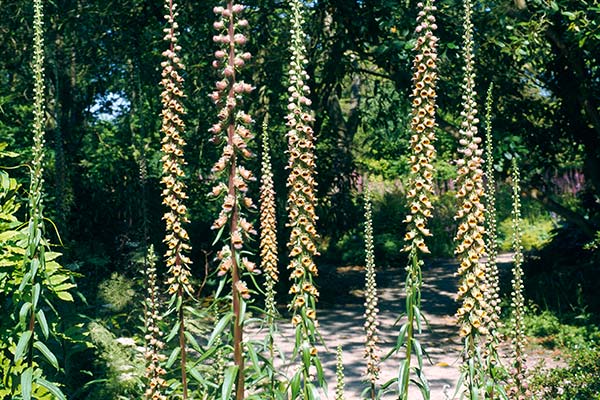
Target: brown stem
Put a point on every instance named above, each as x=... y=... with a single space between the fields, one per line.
x=233 y=227
x=206 y=254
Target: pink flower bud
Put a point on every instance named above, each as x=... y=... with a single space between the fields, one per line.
x=238 y=62
x=216 y=128
x=239 y=38
x=237 y=8
x=218 y=10
x=246 y=118
x=221 y=84
x=220 y=54
x=246 y=56
x=218 y=25
x=228 y=71
x=215 y=64
x=243 y=23
x=214 y=96
x=226 y=13
x=238 y=87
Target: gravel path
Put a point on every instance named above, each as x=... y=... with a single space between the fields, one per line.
x=341 y=322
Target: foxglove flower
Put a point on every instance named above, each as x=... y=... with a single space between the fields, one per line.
x=422 y=126
x=268 y=225
x=473 y=315
x=232 y=132
x=420 y=188
x=301 y=201
x=173 y=130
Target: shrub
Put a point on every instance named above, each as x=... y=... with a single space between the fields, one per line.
x=537 y=232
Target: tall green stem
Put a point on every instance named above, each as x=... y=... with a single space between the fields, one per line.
x=35 y=253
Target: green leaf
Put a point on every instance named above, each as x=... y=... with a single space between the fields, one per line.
x=41 y=318
x=64 y=296
x=399 y=342
x=46 y=353
x=24 y=313
x=52 y=255
x=173 y=357
x=35 y=296
x=403 y=377
x=254 y=357
x=26 y=383
x=52 y=388
x=192 y=340
x=23 y=342
x=219 y=328
x=295 y=385
x=242 y=311
x=194 y=373
x=228 y=380
x=306 y=356
x=35 y=266
x=173 y=331
x=8 y=235
x=418 y=352
x=219 y=235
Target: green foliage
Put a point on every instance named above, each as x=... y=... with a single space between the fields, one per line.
x=553 y=333
x=536 y=233
x=123 y=365
x=116 y=292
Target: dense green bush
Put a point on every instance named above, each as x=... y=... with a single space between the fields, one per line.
x=554 y=333
x=537 y=232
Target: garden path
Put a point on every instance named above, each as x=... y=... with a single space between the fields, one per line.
x=341 y=322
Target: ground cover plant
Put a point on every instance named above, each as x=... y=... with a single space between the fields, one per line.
x=185 y=188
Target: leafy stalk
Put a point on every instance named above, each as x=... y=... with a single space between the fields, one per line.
x=419 y=195
x=339 y=373
x=154 y=345
x=517 y=385
x=474 y=312
x=268 y=227
x=371 y=310
x=493 y=292
x=301 y=213
x=268 y=246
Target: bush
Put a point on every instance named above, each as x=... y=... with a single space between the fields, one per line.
x=536 y=233
x=548 y=327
